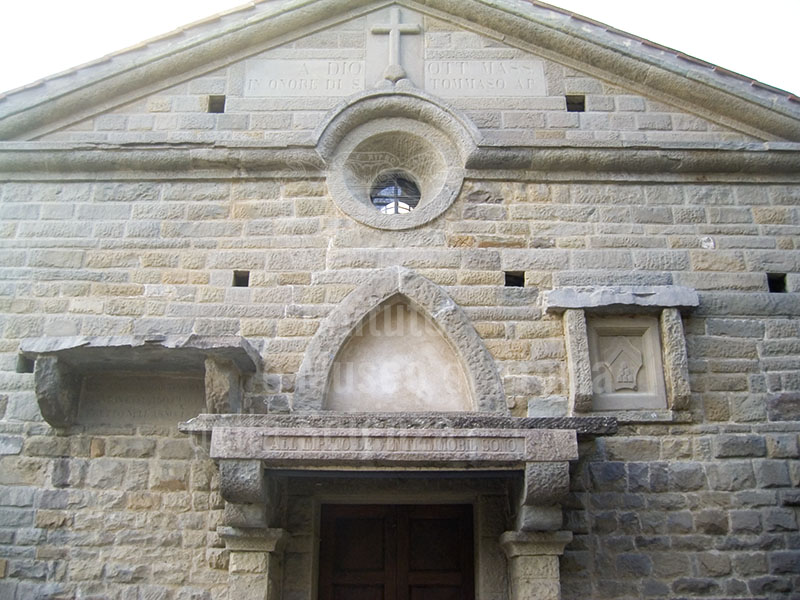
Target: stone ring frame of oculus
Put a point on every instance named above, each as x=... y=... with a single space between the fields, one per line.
x=395 y=160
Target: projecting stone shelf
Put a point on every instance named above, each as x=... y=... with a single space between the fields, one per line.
x=62 y=362
x=641 y=296
x=142 y=353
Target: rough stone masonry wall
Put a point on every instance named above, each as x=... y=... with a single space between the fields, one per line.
x=127 y=513
x=706 y=508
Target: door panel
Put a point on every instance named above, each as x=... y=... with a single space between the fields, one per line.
x=357 y=553
x=437 y=544
x=396 y=552
x=362 y=592
x=435 y=593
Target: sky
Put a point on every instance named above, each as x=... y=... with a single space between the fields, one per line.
x=43 y=37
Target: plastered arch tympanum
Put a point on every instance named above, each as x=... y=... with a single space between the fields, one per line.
x=422 y=295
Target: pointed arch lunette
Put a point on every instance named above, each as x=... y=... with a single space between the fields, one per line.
x=423 y=295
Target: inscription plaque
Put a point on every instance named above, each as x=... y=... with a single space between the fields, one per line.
x=462 y=78
x=393 y=447
x=290 y=78
x=112 y=399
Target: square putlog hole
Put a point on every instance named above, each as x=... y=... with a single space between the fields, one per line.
x=576 y=103
x=776 y=283
x=241 y=279
x=216 y=104
x=515 y=278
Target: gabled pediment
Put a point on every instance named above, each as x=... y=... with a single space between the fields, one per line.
x=510 y=65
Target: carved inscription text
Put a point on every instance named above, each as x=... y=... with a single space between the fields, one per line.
x=318 y=447
x=462 y=78
x=296 y=78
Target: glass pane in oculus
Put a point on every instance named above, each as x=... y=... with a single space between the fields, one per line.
x=395 y=194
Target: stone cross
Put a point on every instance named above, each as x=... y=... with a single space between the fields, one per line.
x=395 y=29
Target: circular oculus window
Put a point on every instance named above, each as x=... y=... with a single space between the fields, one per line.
x=395 y=173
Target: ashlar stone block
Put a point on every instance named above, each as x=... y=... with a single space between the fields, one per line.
x=533 y=568
x=545 y=483
x=676 y=361
x=578 y=363
x=256 y=562
x=223 y=386
x=57 y=391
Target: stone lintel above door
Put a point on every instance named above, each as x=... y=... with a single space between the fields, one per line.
x=388 y=442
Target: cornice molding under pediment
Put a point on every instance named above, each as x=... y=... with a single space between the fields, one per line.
x=26 y=161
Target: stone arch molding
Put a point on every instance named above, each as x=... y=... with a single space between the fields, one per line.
x=430 y=300
x=395 y=128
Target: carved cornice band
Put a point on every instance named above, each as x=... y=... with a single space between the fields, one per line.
x=163 y=161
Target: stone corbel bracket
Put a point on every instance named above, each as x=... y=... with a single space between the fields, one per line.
x=62 y=362
x=253 y=498
x=666 y=301
x=545 y=485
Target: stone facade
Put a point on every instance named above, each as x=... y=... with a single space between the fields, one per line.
x=188 y=245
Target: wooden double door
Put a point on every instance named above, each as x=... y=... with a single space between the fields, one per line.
x=396 y=552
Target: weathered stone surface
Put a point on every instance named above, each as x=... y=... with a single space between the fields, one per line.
x=108 y=399
x=752 y=304
x=549 y=406
x=539 y=518
x=687 y=476
x=784 y=562
x=676 y=361
x=780 y=519
x=249 y=562
x=668 y=296
x=152 y=353
x=545 y=483
x=578 y=363
x=772 y=473
x=245 y=515
x=11 y=444
x=420 y=448
x=728 y=446
x=223 y=386
x=784 y=407
x=203 y=424
x=243 y=481
x=57 y=391
x=240 y=539
x=533 y=563
x=731 y=475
